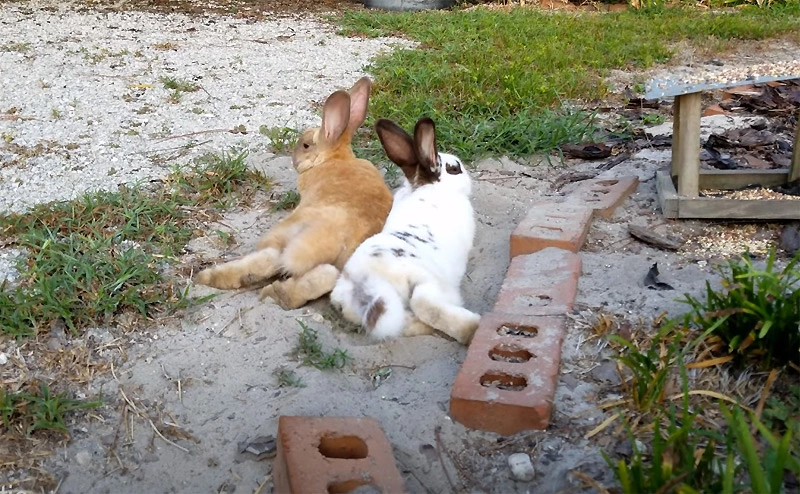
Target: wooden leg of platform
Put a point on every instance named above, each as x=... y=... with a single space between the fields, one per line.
x=686 y=152
x=794 y=169
x=674 y=168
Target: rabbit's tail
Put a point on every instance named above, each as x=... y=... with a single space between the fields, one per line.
x=384 y=314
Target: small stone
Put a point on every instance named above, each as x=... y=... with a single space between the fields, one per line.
x=521 y=467
x=3 y=358
x=262 y=446
x=83 y=457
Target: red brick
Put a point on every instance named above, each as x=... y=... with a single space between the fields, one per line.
x=550 y=224
x=476 y=400
x=333 y=454
x=603 y=194
x=540 y=284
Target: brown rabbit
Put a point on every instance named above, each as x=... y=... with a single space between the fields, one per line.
x=343 y=201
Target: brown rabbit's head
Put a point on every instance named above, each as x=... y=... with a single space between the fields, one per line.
x=342 y=114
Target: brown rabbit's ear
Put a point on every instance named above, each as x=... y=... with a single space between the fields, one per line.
x=359 y=100
x=425 y=142
x=335 y=116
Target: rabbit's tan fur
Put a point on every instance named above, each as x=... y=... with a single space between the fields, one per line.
x=343 y=201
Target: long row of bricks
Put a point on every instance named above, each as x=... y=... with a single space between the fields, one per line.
x=508 y=380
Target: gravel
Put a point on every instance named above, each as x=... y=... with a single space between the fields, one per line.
x=83 y=105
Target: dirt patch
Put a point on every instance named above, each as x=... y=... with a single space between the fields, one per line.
x=188 y=402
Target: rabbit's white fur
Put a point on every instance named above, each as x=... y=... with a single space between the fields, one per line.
x=406 y=279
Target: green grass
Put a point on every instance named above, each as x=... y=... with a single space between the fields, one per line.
x=40 y=410
x=288 y=200
x=179 y=85
x=92 y=260
x=282 y=139
x=756 y=314
x=310 y=351
x=495 y=82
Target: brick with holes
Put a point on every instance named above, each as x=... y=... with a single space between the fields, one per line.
x=550 y=224
x=603 y=195
x=508 y=380
x=333 y=454
x=540 y=284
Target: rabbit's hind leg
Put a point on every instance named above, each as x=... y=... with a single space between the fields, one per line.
x=250 y=269
x=432 y=308
x=297 y=291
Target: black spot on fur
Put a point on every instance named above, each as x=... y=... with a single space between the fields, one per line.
x=409 y=237
x=398 y=252
x=374 y=313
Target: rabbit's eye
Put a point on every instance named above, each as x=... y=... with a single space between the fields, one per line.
x=453 y=168
x=305 y=145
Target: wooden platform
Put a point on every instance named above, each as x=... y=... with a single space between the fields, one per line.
x=679 y=189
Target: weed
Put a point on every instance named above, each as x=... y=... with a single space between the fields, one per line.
x=15 y=47
x=282 y=139
x=310 y=350
x=757 y=312
x=495 y=81
x=288 y=200
x=179 y=85
x=40 y=410
x=649 y=369
x=55 y=113
x=682 y=457
x=653 y=119
x=288 y=378
x=218 y=179
x=166 y=46
x=175 y=97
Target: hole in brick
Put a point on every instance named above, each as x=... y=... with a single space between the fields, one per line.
x=600 y=191
x=517 y=330
x=554 y=228
x=536 y=300
x=505 y=381
x=347 y=447
x=608 y=183
x=510 y=353
x=351 y=485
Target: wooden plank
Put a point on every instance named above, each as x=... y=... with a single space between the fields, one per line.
x=755 y=209
x=667 y=195
x=675 y=166
x=739 y=179
x=794 y=169
x=688 y=150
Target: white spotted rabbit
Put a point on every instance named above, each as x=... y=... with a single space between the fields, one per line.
x=405 y=280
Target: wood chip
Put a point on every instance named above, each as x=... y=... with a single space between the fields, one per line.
x=648 y=236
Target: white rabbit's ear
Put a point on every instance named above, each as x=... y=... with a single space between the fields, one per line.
x=359 y=99
x=399 y=146
x=335 y=116
x=425 y=142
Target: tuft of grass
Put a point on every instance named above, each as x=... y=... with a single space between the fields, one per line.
x=288 y=378
x=104 y=256
x=757 y=312
x=288 y=200
x=15 y=47
x=310 y=350
x=282 y=139
x=179 y=85
x=219 y=179
x=495 y=81
x=40 y=410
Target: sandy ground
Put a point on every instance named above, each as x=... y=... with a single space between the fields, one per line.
x=225 y=351
x=206 y=376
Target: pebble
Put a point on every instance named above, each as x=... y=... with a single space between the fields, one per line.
x=3 y=358
x=83 y=457
x=521 y=467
